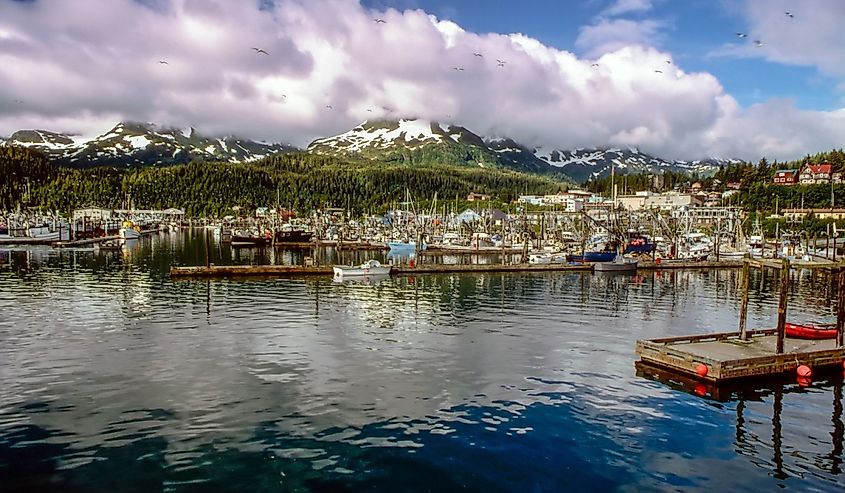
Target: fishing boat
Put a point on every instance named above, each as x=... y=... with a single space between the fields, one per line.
x=619 y=264
x=810 y=331
x=291 y=234
x=637 y=242
x=598 y=256
x=368 y=268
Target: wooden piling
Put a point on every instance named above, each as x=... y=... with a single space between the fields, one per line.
x=743 y=310
x=207 y=250
x=784 y=292
x=840 y=310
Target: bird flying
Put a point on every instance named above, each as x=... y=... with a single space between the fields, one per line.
x=458 y=68
x=741 y=35
x=659 y=71
x=379 y=21
x=758 y=43
x=259 y=50
x=594 y=65
x=789 y=14
x=501 y=63
x=329 y=106
x=477 y=54
x=669 y=62
x=163 y=62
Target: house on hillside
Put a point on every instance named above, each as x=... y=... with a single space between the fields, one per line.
x=785 y=177
x=818 y=173
x=477 y=197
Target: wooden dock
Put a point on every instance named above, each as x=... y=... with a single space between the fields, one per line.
x=85 y=242
x=743 y=354
x=729 y=357
x=298 y=270
x=770 y=263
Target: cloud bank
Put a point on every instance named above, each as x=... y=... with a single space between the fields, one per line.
x=329 y=65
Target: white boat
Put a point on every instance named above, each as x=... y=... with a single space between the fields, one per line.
x=128 y=234
x=619 y=264
x=368 y=268
x=405 y=245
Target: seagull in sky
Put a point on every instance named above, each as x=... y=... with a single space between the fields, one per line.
x=501 y=63
x=659 y=71
x=369 y=110
x=789 y=14
x=758 y=43
x=379 y=21
x=329 y=106
x=594 y=65
x=163 y=62
x=461 y=69
x=19 y=101
x=741 y=35
x=669 y=62
x=475 y=53
x=260 y=51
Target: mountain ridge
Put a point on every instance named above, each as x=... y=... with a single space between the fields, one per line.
x=409 y=141
x=143 y=144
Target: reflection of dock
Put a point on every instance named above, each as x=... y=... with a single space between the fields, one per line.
x=87 y=241
x=745 y=354
x=769 y=263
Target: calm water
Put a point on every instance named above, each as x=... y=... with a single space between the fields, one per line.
x=115 y=378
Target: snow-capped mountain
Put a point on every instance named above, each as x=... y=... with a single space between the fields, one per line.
x=416 y=141
x=420 y=141
x=143 y=144
x=583 y=164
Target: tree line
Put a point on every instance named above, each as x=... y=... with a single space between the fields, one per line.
x=297 y=181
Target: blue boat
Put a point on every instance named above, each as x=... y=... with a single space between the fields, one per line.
x=638 y=243
x=405 y=246
x=602 y=256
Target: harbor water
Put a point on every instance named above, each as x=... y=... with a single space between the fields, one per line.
x=113 y=377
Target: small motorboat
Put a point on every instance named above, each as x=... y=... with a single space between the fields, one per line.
x=368 y=268
x=810 y=331
x=619 y=264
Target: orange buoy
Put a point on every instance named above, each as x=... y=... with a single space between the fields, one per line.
x=804 y=381
x=804 y=371
x=702 y=370
x=700 y=390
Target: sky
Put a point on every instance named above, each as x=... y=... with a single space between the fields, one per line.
x=680 y=79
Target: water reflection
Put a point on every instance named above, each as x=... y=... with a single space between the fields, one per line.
x=114 y=377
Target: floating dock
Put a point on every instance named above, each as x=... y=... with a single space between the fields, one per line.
x=729 y=357
x=85 y=242
x=744 y=354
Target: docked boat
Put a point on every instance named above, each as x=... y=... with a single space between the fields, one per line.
x=292 y=235
x=810 y=331
x=405 y=245
x=619 y=264
x=599 y=256
x=368 y=268
x=129 y=231
x=638 y=243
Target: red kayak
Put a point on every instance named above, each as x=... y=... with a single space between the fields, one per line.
x=810 y=331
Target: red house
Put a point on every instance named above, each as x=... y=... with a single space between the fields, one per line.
x=786 y=177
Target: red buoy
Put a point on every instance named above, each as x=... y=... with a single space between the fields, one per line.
x=804 y=371
x=804 y=381
x=843 y=365
x=700 y=390
x=702 y=370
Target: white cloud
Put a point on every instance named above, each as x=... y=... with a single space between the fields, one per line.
x=80 y=69
x=620 y=7
x=608 y=35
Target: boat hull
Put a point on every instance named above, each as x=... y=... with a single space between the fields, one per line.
x=128 y=234
x=809 y=331
x=357 y=271
x=615 y=267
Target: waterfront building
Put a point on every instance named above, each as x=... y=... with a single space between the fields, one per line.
x=800 y=214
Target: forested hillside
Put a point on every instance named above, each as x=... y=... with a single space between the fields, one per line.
x=298 y=181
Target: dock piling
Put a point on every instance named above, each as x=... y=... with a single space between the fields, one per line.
x=784 y=292
x=743 y=310
x=840 y=309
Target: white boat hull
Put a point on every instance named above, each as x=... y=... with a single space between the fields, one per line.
x=626 y=266
x=354 y=271
x=128 y=234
